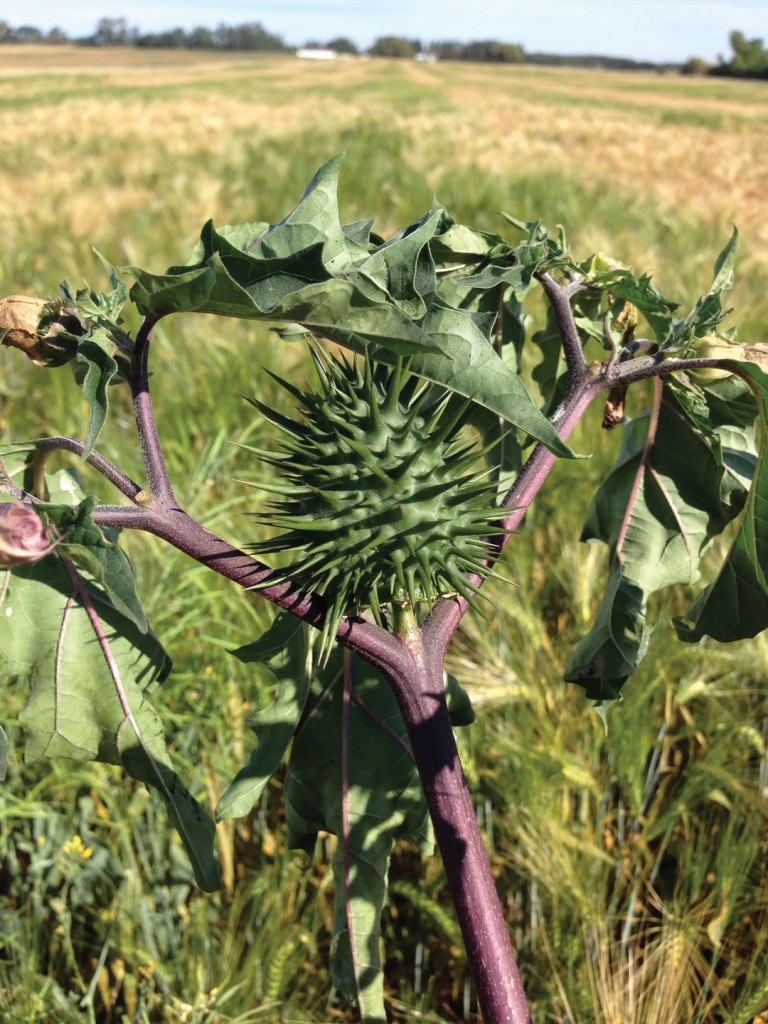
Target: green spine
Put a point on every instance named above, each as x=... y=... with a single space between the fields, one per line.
x=381 y=500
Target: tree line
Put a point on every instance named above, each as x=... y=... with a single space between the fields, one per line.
x=749 y=58
x=118 y=32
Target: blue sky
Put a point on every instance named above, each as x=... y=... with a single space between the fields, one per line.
x=659 y=30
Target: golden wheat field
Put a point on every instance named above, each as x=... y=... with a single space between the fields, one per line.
x=100 y=140
x=631 y=865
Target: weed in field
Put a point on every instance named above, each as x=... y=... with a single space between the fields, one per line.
x=643 y=867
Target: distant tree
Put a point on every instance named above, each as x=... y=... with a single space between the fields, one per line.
x=492 y=51
x=6 y=32
x=395 y=46
x=587 y=60
x=28 y=34
x=448 y=50
x=695 y=66
x=342 y=45
x=749 y=55
x=249 y=36
x=173 y=39
x=750 y=58
x=112 y=32
x=57 y=35
x=488 y=50
x=200 y=38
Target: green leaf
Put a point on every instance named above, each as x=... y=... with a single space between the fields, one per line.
x=285 y=648
x=460 y=708
x=311 y=272
x=477 y=372
x=306 y=270
x=15 y=466
x=90 y=321
x=657 y=511
x=537 y=252
x=708 y=313
x=616 y=644
x=351 y=773
x=92 y=552
x=735 y=606
x=456 y=247
x=656 y=309
x=340 y=311
x=315 y=219
x=88 y=669
x=403 y=268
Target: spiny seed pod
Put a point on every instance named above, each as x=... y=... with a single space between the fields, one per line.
x=381 y=501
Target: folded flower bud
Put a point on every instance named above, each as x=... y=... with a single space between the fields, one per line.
x=24 y=536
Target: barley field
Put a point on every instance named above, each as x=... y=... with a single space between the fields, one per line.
x=632 y=864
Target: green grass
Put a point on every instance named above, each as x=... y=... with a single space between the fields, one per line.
x=631 y=865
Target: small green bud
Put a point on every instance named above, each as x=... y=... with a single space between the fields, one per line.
x=712 y=346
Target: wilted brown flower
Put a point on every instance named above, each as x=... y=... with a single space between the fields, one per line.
x=24 y=537
x=20 y=319
x=19 y=315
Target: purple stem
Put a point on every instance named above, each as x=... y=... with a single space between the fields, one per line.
x=108 y=470
x=151 y=449
x=560 y=299
x=173 y=525
x=421 y=697
x=440 y=626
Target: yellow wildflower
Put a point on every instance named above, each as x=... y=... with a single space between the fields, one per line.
x=77 y=848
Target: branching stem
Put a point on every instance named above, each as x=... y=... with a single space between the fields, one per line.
x=159 y=483
x=560 y=299
x=108 y=470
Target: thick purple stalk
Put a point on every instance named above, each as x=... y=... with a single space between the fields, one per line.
x=154 y=461
x=421 y=697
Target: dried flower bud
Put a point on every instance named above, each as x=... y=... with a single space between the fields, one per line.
x=23 y=535
x=20 y=319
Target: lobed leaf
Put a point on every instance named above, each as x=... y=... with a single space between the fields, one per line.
x=708 y=313
x=478 y=373
x=735 y=606
x=88 y=667
x=657 y=511
x=92 y=552
x=335 y=282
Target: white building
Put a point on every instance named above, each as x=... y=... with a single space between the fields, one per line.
x=312 y=54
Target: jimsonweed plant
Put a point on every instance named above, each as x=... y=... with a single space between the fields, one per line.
x=386 y=498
